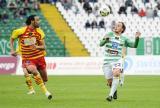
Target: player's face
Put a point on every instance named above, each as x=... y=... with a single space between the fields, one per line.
x=36 y=22
x=118 y=28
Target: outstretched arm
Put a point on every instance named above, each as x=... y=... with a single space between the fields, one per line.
x=133 y=44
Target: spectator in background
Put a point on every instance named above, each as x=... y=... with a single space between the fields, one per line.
x=22 y=13
x=122 y=10
x=134 y=10
x=94 y=24
x=53 y=1
x=3 y=3
x=36 y=5
x=142 y=12
x=158 y=6
x=87 y=24
x=12 y=5
x=155 y=13
x=101 y=24
x=16 y=14
x=87 y=7
x=149 y=12
x=145 y=1
x=5 y=17
x=66 y=3
x=128 y=3
x=26 y=6
x=75 y=9
x=95 y=11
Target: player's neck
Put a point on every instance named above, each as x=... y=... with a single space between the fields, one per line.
x=31 y=27
x=117 y=34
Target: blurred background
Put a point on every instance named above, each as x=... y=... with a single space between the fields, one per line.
x=74 y=27
x=73 y=30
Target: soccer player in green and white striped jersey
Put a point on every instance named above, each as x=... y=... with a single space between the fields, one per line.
x=114 y=44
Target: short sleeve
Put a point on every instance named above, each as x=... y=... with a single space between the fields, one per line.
x=40 y=31
x=17 y=33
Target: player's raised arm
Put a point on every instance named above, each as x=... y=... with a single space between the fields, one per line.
x=133 y=44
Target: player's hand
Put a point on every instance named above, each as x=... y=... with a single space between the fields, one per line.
x=34 y=46
x=137 y=34
x=13 y=53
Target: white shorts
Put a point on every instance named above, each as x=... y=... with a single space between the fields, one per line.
x=108 y=68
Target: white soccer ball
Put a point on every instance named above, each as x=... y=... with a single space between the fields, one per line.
x=104 y=10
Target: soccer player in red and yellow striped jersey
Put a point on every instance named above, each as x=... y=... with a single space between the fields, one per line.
x=32 y=47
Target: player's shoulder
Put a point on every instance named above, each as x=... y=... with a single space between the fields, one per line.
x=41 y=32
x=21 y=29
x=124 y=37
x=39 y=29
x=110 y=34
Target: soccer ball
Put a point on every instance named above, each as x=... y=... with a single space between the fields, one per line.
x=104 y=11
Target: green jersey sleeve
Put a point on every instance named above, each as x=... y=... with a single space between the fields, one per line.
x=104 y=41
x=129 y=43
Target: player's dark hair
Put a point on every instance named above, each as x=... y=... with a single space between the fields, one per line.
x=29 y=19
x=123 y=26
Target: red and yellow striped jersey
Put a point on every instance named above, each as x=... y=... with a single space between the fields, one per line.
x=27 y=38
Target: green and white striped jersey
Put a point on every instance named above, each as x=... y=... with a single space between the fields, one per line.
x=114 y=47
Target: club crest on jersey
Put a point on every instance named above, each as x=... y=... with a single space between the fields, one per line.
x=115 y=45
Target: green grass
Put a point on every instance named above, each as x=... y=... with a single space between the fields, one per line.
x=81 y=92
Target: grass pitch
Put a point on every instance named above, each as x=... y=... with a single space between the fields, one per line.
x=80 y=92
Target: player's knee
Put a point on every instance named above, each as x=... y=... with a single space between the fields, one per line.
x=116 y=72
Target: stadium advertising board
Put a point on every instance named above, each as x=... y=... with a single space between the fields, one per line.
x=8 y=65
x=134 y=65
x=71 y=66
x=142 y=65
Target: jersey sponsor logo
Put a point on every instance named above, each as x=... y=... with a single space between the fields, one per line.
x=30 y=41
x=112 y=52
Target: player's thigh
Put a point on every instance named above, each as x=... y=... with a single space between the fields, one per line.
x=107 y=69
x=116 y=68
x=30 y=66
x=41 y=65
x=25 y=71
